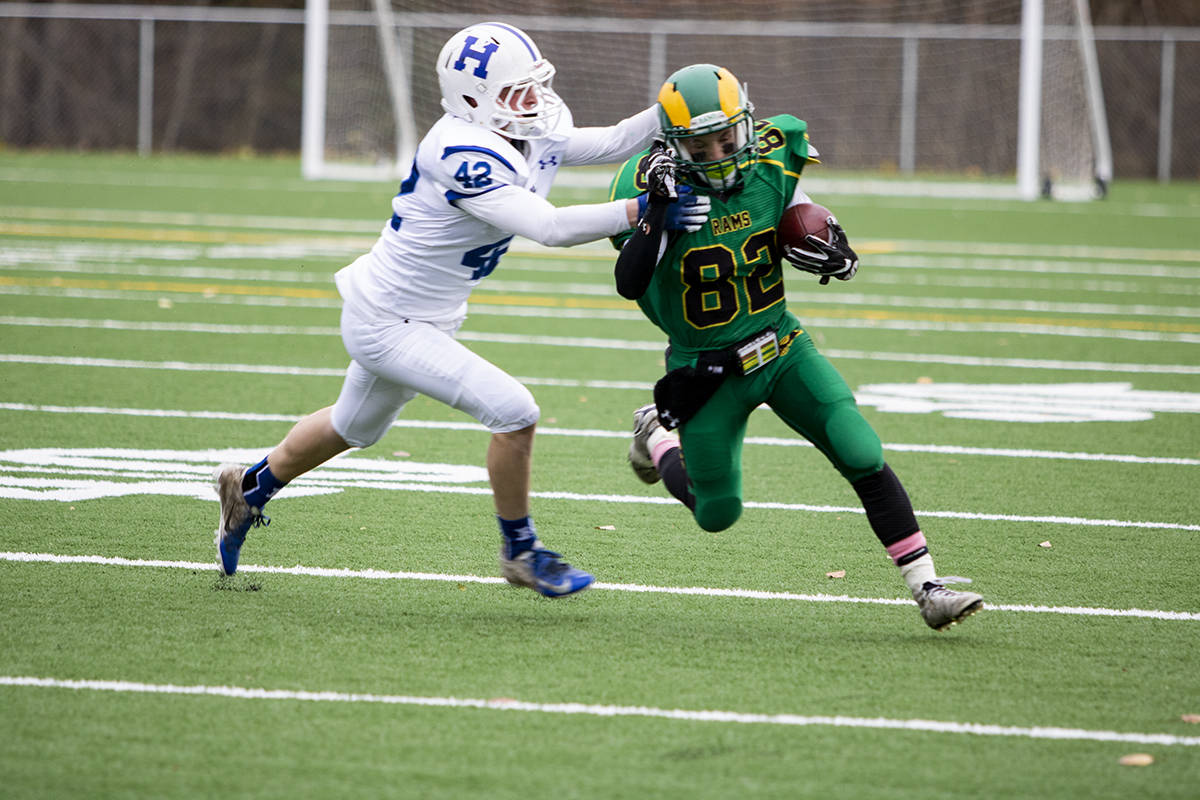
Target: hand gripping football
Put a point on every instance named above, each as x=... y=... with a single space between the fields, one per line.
x=810 y=239
x=801 y=220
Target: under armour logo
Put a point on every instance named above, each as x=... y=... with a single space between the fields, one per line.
x=546 y=163
x=482 y=56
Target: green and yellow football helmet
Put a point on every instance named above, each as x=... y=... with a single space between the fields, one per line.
x=708 y=121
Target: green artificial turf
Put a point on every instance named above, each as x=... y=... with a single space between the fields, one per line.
x=157 y=310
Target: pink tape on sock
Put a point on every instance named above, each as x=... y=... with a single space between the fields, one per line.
x=661 y=449
x=908 y=544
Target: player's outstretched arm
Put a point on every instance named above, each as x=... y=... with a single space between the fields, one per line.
x=520 y=211
x=613 y=143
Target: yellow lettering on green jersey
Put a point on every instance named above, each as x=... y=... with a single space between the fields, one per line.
x=730 y=223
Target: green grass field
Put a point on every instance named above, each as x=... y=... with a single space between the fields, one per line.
x=1033 y=371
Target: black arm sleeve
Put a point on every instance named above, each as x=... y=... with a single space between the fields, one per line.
x=636 y=262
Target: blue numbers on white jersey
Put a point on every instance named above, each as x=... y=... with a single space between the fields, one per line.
x=410 y=183
x=482 y=260
x=475 y=176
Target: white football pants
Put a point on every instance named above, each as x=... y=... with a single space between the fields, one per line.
x=396 y=359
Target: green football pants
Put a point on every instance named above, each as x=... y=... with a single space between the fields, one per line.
x=808 y=394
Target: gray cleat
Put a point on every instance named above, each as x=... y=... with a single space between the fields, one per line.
x=645 y=422
x=942 y=607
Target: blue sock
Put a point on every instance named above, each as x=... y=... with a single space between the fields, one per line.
x=518 y=534
x=259 y=485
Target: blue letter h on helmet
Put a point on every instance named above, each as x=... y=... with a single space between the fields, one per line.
x=482 y=56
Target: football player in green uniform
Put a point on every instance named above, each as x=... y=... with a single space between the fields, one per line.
x=718 y=294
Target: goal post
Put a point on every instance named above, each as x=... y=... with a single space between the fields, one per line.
x=1103 y=169
x=1029 y=118
x=1063 y=148
x=396 y=69
x=985 y=98
x=357 y=121
x=312 y=119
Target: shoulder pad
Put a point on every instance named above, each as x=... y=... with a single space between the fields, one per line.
x=629 y=180
x=784 y=138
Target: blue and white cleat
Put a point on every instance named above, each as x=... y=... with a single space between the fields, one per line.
x=237 y=518
x=543 y=570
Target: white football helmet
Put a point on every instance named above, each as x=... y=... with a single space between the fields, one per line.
x=493 y=75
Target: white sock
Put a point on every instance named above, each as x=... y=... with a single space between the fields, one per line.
x=917 y=572
x=660 y=434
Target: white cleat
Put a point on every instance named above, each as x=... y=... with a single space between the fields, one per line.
x=942 y=607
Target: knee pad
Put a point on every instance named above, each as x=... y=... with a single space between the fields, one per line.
x=357 y=434
x=499 y=401
x=517 y=411
x=366 y=407
x=718 y=513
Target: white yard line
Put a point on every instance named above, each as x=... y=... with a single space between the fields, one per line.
x=887 y=257
x=182 y=180
x=65 y=489
x=208 y=328
x=482 y=307
x=903 y=302
x=603 y=288
x=178 y=366
x=194 y=219
x=592 y=433
x=1091 y=270
x=694 y=591
x=60 y=488
x=1026 y=250
x=229 y=329
x=174 y=297
x=372 y=225
x=605 y=344
x=586 y=709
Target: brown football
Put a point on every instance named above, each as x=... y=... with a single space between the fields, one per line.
x=800 y=220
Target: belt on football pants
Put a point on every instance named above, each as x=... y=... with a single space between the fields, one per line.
x=747 y=355
x=683 y=391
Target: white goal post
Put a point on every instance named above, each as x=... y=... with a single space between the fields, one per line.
x=1043 y=154
x=1002 y=101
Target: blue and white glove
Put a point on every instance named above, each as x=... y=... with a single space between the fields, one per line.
x=688 y=212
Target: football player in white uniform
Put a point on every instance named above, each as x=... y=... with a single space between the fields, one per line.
x=480 y=176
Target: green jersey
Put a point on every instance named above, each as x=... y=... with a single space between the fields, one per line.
x=724 y=283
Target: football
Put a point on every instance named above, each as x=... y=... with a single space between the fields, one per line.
x=800 y=220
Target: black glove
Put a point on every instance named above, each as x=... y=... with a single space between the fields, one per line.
x=832 y=259
x=659 y=171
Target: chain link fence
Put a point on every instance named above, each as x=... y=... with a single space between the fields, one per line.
x=162 y=78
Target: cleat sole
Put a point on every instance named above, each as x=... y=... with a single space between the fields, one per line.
x=970 y=610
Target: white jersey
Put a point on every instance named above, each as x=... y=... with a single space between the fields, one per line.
x=470 y=190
